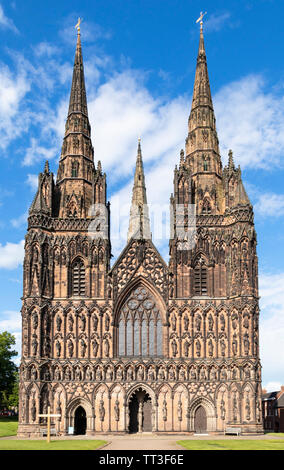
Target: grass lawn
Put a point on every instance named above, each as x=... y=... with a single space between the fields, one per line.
x=11 y=444
x=242 y=444
x=8 y=426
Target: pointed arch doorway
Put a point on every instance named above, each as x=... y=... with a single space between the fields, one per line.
x=140 y=412
x=200 y=420
x=80 y=421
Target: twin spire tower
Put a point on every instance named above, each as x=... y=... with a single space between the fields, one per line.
x=142 y=346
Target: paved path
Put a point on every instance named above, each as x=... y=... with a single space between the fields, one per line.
x=149 y=442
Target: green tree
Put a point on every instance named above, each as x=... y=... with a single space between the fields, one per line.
x=8 y=369
x=13 y=398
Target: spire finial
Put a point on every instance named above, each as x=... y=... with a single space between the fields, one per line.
x=200 y=19
x=78 y=25
x=46 y=167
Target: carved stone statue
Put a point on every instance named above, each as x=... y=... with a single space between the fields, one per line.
x=140 y=373
x=102 y=411
x=58 y=322
x=82 y=322
x=95 y=347
x=174 y=347
x=186 y=322
x=34 y=346
x=107 y=322
x=116 y=411
x=106 y=348
x=179 y=410
x=164 y=410
x=95 y=322
x=70 y=347
x=58 y=348
x=35 y=321
x=70 y=322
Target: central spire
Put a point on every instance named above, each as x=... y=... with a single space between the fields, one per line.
x=139 y=222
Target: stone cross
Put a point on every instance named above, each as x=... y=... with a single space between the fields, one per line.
x=49 y=415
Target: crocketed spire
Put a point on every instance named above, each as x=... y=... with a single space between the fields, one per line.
x=78 y=98
x=139 y=223
x=202 y=145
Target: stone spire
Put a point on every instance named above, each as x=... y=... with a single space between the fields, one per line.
x=202 y=145
x=139 y=222
x=78 y=98
x=76 y=170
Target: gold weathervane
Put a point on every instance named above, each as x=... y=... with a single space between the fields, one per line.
x=200 y=19
x=78 y=25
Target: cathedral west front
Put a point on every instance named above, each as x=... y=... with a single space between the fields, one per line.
x=142 y=345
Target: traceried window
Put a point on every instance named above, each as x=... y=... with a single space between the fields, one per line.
x=206 y=208
x=140 y=326
x=200 y=278
x=74 y=169
x=78 y=281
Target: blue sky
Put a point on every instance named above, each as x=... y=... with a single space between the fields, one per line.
x=140 y=58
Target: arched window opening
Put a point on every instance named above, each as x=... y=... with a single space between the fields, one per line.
x=206 y=208
x=200 y=278
x=78 y=279
x=140 y=326
x=74 y=169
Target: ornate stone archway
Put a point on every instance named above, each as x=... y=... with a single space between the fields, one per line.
x=141 y=410
x=71 y=411
x=202 y=406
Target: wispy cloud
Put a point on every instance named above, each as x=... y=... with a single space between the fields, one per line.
x=250 y=121
x=11 y=255
x=270 y=204
x=215 y=22
x=271 y=287
x=10 y=320
x=7 y=23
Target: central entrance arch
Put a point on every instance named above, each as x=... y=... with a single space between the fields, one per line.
x=80 y=421
x=140 y=412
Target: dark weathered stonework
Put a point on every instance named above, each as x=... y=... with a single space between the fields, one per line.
x=143 y=345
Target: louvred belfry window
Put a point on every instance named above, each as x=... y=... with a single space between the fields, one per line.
x=200 y=278
x=78 y=279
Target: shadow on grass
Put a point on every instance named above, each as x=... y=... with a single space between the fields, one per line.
x=8 y=426
x=245 y=444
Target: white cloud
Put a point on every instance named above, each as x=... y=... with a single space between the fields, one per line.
x=32 y=181
x=37 y=152
x=6 y=22
x=20 y=221
x=13 y=119
x=271 y=287
x=272 y=386
x=90 y=31
x=45 y=49
x=215 y=22
x=250 y=121
x=270 y=204
x=11 y=255
x=122 y=110
x=11 y=321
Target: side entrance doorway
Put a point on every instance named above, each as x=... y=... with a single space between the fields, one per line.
x=200 y=420
x=80 y=421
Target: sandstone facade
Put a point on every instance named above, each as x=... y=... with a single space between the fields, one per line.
x=144 y=345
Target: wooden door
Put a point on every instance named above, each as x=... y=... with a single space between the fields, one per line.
x=200 y=421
